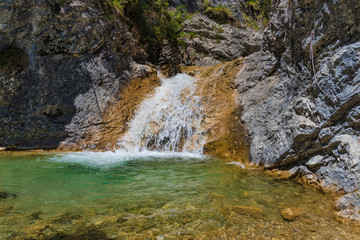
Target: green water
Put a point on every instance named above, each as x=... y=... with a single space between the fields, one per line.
x=112 y=196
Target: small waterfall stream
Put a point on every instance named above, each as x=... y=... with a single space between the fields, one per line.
x=169 y=120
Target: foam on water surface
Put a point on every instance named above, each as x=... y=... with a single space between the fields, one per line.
x=112 y=159
x=166 y=126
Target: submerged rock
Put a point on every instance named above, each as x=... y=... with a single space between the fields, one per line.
x=6 y=195
x=251 y=211
x=290 y=214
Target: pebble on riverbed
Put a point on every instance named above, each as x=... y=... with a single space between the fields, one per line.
x=290 y=214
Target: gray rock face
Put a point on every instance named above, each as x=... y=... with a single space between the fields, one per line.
x=349 y=206
x=236 y=6
x=207 y=39
x=295 y=120
x=76 y=63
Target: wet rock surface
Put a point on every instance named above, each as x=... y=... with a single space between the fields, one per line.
x=348 y=206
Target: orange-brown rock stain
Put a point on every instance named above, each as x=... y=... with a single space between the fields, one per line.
x=117 y=115
x=216 y=86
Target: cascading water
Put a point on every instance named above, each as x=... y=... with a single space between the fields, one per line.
x=168 y=121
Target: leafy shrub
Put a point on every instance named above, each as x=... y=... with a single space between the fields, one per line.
x=170 y=24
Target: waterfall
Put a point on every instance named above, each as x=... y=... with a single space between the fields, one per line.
x=169 y=120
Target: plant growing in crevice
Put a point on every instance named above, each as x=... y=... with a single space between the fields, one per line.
x=220 y=13
x=170 y=24
x=218 y=28
x=189 y=35
x=257 y=13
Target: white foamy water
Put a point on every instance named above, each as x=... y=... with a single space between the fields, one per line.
x=111 y=159
x=168 y=121
x=166 y=126
x=237 y=164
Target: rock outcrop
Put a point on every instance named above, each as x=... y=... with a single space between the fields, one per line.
x=207 y=43
x=300 y=120
x=73 y=63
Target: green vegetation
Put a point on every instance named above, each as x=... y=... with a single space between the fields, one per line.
x=251 y=22
x=12 y=57
x=218 y=28
x=152 y=20
x=189 y=35
x=220 y=14
x=257 y=11
x=170 y=24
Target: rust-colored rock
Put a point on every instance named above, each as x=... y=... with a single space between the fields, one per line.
x=226 y=134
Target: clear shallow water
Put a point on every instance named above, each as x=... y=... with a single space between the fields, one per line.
x=155 y=196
